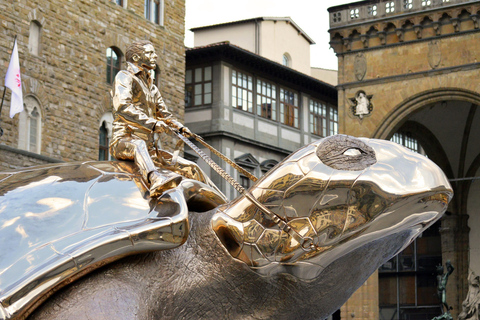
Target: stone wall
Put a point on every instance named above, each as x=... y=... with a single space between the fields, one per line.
x=68 y=77
x=407 y=61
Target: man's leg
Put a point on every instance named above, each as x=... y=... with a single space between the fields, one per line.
x=136 y=150
x=184 y=167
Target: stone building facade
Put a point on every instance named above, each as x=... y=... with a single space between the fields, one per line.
x=408 y=71
x=63 y=48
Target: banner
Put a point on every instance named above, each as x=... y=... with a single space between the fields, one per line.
x=14 y=82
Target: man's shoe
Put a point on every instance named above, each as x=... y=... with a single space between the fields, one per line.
x=161 y=182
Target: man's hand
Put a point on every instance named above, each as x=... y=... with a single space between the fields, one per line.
x=186 y=132
x=160 y=127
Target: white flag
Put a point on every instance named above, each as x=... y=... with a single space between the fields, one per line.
x=14 y=82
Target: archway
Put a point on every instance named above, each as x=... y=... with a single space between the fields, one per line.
x=446 y=123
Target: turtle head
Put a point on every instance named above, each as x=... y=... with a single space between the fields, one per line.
x=335 y=192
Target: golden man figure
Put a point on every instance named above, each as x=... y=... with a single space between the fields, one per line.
x=139 y=113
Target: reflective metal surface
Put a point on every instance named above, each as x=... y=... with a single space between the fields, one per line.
x=360 y=201
x=140 y=114
x=342 y=192
x=58 y=222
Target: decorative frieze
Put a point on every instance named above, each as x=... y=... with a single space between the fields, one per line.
x=440 y=18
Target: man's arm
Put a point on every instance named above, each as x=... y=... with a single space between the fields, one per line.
x=167 y=116
x=128 y=111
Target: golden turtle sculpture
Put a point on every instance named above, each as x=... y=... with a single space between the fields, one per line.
x=327 y=217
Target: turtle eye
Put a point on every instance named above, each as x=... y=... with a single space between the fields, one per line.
x=352 y=152
x=342 y=152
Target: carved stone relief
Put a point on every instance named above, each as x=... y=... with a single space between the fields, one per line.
x=360 y=66
x=434 y=54
x=361 y=105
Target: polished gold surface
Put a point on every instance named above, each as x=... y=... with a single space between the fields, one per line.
x=140 y=113
x=59 y=221
x=324 y=203
x=339 y=192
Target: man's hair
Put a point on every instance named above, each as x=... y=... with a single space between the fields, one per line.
x=136 y=47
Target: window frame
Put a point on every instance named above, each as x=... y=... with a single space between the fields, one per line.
x=152 y=15
x=106 y=121
x=245 y=89
x=289 y=113
x=390 y=7
x=203 y=85
x=112 y=70
x=264 y=98
x=31 y=114
x=35 y=43
x=408 y=265
x=324 y=123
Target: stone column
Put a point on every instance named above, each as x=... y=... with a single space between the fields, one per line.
x=363 y=304
x=454 y=235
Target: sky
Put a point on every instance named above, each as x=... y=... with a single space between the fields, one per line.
x=310 y=15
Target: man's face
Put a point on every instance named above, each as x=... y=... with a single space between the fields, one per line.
x=148 y=58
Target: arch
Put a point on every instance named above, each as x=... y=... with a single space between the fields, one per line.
x=105 y=136
x=30 y=125
x=267 y=165
x=287 y=60
x=393 y=120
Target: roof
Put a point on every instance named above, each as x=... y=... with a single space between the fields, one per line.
x=287 y=19
x=264 y=67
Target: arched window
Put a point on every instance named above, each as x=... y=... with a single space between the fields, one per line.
x=287 y=61
x=30 y=126
x=154 y=11
x=155 y=74
x=34 y=37
x=114 y=59
x=104 y=136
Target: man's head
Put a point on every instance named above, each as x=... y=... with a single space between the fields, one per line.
x=142 y=54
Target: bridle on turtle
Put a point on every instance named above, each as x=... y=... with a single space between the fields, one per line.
x=306 y=243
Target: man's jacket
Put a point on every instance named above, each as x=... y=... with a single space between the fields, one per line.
x=137 y=105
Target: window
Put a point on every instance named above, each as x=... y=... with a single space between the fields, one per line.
x=242 y=91
x=354 y=13
x=372 y=10
x=266 y=100
x=113 y=63
x=426 y=3
x=323 y=119
x=286 y=60
x=103 y=142
x=445 y=1
x=407 y=282
x=34 y=38
x=337 y=16
x=407 y=4
x=390 y=7
x=30 y=126
x=198 y=91
x=244 y=182
x=118 y=2
x=405 y=139
x=104 y=136
x=154 y=11
x=248 y=162
x=288 y=108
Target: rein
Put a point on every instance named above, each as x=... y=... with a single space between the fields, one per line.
x=306 y=243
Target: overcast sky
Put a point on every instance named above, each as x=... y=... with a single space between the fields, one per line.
x=310 y=15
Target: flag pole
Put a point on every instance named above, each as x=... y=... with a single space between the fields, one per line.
x=4 y=91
